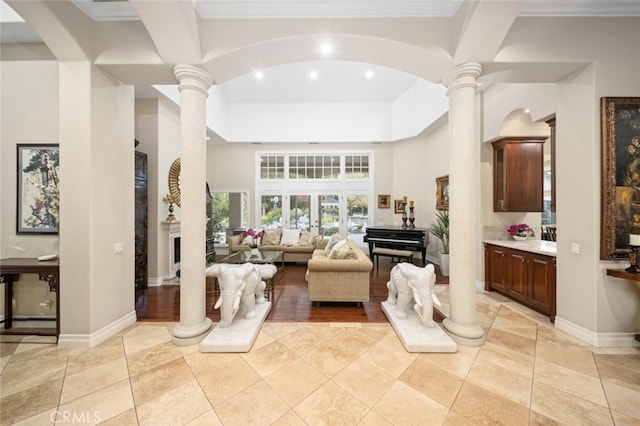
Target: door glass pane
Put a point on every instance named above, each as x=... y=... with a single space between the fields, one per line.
x=328 y=215
x=357 y=216
x=299 y=212
x=271 y=211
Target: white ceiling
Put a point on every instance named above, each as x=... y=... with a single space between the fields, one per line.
x=337 y=81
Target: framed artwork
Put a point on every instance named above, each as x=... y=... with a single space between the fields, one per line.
x=384 y=201
x=620 y=174
x=442 y=193
x=399 y=206
x=38 y=203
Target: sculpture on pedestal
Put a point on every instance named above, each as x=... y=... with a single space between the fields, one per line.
x=241 y=289
x=412 y=283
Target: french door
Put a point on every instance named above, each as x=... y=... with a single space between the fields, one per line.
x=319 y=213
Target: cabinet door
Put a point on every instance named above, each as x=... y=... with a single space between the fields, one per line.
x=541 y=277
x=518 y=174
x=517 y=278
x=496 y=268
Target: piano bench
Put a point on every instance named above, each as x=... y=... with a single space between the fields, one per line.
x=401 y=255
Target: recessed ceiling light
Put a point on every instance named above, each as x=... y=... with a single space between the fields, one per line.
x=259 y=75
x=313 y=75
x=326 y=49
x=368 y=74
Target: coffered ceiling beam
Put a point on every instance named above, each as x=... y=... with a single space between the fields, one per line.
x=65 y=29
x=482 y=27
x=174 y=27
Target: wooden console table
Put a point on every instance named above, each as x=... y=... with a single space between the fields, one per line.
x=621 y=273
x=10 y=270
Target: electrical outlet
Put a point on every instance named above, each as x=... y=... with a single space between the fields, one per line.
x=575 y=248
x=118 y=248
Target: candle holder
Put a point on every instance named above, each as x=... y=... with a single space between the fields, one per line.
x=412 y=218
x=634 y=257
x=169 y=200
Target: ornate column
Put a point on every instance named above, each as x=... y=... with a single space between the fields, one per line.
x=464 y=159
x=193 y=85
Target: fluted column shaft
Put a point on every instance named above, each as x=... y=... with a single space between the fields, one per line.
x=464 y=159
x=193 y=85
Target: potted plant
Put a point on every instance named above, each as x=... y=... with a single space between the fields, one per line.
x=440 y=228
x=520 y=231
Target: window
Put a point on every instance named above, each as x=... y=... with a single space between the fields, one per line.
x=356 y=166
x=271 y=211
x=314 y=166
x=272 y=167
x=226 y=211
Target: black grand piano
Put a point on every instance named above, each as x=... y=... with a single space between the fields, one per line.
x=413 y=239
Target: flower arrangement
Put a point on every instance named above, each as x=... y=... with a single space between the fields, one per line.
x=521 y=230
x=255 y=236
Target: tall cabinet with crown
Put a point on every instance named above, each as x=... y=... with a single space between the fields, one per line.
x=518 y=184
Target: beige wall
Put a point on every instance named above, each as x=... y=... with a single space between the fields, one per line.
x=97 y=204
x=28 y=114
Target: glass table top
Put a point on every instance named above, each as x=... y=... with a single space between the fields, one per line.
x=267 y=256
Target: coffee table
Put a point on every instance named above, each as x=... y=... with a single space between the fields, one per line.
x=269 y=257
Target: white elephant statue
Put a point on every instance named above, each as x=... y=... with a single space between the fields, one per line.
x=241 y=289
x=409 y=282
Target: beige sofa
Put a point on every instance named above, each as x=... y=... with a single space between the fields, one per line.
x=291 y=253
x=339 y=280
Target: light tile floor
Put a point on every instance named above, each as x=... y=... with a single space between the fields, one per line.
x=317 y=373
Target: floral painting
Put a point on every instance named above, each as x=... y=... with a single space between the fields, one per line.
x=620 y=174
x=38 y=204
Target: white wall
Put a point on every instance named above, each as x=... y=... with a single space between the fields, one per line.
x=97 y=205
x=417 y=162
x=28 y=115
x=347 y=122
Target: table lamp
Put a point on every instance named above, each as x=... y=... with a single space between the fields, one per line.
x=634 y=256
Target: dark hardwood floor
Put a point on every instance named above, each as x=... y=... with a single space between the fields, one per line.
x=291 y=300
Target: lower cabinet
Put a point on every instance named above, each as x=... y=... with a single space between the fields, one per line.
x=528 y=278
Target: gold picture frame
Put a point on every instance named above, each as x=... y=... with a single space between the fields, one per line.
x=399 y=206
x=384 y=201
x=442 y=192
x=620 y=174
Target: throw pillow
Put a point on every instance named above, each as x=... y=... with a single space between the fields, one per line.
x=248 y=240
x=290 y=237
x=307 y=238
x=332 y=242
x=271 y=238
x=342 y=250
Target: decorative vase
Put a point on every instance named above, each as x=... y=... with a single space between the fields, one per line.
x=254 y=251
x=520 y=238
x=444 y=264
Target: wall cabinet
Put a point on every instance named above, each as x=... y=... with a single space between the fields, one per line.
x=518 y=184
x=528 y=278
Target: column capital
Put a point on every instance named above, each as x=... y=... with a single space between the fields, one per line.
x=463 y=75
x=194 y=78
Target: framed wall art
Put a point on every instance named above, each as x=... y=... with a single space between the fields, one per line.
x=399 y=206
x=38 y=202
x=620 y=174
x=384 y=201
x=442 y=193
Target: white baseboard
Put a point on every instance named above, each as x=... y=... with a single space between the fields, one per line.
x=85 y=341
x=154 y=282
x=598 y=340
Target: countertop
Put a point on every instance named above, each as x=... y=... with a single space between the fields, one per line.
x=547 y=248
